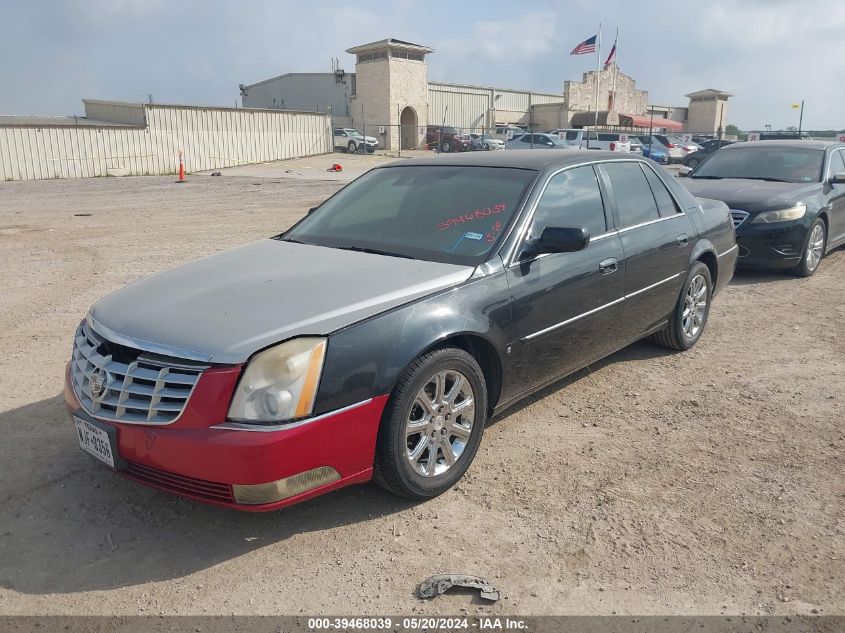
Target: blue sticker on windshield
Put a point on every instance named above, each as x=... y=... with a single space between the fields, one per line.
x=474 y=236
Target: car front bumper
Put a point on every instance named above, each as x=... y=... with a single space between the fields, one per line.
x=221 y=463
x=776 y=246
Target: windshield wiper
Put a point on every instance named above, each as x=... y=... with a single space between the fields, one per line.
x=767 y=179
x=290 y=239
x=373 y=251
x=706 y=177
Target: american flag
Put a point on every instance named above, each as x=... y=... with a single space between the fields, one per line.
x=587 y=46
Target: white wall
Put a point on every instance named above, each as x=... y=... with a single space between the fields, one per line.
x=210 y=137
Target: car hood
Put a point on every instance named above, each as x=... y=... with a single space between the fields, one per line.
x=750 y=195
x=225 y=307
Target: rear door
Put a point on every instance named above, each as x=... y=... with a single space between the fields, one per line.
x=567 y=306
x=656 y=239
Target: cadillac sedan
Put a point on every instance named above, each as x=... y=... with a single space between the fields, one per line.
x=376 y=337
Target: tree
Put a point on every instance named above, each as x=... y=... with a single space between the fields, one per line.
x=732 y=130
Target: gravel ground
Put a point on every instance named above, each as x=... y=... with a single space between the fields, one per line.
x=706 y=482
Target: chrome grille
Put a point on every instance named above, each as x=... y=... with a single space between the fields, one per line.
x=738 y=216
x=130 y=386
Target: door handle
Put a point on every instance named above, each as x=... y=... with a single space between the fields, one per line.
x=682 y=239
x=608 y=266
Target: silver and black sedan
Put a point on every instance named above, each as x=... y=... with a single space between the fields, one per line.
x=376 y=337
x=787 y=198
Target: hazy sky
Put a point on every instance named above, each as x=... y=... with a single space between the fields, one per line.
x=768 y=53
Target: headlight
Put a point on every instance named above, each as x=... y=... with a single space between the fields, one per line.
x=781 y=215
x=280 y=383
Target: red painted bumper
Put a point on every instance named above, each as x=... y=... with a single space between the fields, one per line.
x=192 y=460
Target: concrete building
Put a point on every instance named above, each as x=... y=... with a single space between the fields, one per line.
x=391 y=91
x=389 y=96
x=708 y=111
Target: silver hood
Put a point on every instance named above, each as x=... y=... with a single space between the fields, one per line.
x=226 y=307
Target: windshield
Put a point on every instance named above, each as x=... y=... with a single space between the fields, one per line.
x=352 y=132
x=783 y=164
x=437 y=213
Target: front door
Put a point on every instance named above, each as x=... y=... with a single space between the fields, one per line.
x=836 y=200
x=566 y=306
x=657 y=241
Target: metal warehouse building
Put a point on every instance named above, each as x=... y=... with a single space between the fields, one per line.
x=138 y=139
x=389 y=95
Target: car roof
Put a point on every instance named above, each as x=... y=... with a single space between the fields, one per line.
x=787 y=143
x=519 y=159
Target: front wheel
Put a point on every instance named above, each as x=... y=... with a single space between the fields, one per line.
x=687 y=321
x=813 y=251
x=446 y=147
x=432 y=424
x=352 y=147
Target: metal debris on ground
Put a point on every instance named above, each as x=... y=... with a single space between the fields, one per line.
x=441 y=583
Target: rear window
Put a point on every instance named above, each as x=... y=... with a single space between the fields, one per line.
x=634 y=199
x=436 y=213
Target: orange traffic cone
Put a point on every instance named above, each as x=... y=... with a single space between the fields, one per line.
x=181 y=169
x=335 y=167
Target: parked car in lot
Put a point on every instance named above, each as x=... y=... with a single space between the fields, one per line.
x=706 y=148
x=447 y=139
x=589 y=139
x=485 y=142
x=656 y=152
x=351 y=140
x=539 y=141
x=676 y=154
x=787 y=199
x=376 y=337
x=687 y=146
x=508 y=132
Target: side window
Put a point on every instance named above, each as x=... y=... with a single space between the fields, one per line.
x=526 y=138
x=632 y=193
x=571 y=199
x=837 y=166
x=608 y=137
x=665 y=202
x=572 y=135
x=591 y=135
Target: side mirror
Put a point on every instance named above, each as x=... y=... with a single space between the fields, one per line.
x=837 y=179
x=556 y=239
x=684 y=171
x=311 y=210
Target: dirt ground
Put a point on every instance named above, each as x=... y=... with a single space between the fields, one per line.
x=706 y=482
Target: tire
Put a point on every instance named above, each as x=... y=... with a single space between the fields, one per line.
x=692 y=163
x=486 y=147
x=813 y=251
x=683 y=332
x=403 y=463
x=351 y=147
x=446 y=147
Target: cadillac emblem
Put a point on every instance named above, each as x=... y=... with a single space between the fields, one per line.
x=97 y=383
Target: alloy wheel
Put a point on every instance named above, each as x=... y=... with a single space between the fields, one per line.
x=695 y=306
x=440 y=422
x=815 y=247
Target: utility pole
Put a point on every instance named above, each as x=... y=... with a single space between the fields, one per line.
x=801 y=118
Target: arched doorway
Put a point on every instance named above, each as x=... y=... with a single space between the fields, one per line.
x=408 y=136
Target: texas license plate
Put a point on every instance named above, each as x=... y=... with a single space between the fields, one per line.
x=95 y=441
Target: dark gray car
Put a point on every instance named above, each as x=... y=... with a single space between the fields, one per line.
x=376 y=337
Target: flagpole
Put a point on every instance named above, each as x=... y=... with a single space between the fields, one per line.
x=598 y=75
x=615 y=66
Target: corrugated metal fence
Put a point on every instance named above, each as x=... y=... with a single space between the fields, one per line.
x=210 y=137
